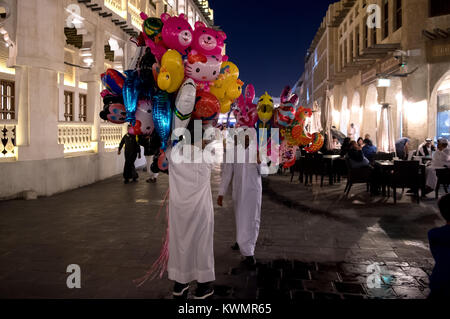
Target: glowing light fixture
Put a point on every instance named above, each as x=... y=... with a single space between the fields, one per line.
x=384 y=83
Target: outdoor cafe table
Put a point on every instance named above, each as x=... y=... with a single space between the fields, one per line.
x=385 y=167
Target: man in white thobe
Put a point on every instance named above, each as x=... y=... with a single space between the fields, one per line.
x=247 y=197
x=441 y=158
x=191 y=225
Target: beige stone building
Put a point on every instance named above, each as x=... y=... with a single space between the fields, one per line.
x=52 y=53
x=362 y=41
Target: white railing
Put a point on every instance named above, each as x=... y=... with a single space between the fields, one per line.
x=75 y=138
x=111 y=136
x=8 y=148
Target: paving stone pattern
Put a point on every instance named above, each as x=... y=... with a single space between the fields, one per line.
x=313 y=244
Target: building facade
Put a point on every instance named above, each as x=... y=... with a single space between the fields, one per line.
x=52 y=54
x=362 y=41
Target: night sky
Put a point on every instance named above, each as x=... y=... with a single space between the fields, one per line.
x=268 y=40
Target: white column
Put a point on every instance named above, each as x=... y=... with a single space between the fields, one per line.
x=92 y=78
x=40 y=56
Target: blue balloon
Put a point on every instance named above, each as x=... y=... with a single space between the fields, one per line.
x=131 y=90
x=162 y=116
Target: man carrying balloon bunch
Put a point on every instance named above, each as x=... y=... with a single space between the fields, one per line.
x=191 y=219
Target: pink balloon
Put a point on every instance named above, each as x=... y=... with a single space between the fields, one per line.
x=176 y=32
x=208 y=41
x=246 y=113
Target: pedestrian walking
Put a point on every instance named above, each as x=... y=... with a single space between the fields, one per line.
x=132 y=151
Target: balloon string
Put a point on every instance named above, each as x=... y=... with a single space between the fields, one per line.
x=160 y=265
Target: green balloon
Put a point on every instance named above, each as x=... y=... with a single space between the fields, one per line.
x=153 y=27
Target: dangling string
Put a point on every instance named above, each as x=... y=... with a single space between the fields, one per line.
x=160 y=265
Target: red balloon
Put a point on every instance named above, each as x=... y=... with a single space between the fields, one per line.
x=207 y=106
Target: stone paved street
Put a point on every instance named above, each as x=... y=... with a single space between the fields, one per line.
x=313 y=244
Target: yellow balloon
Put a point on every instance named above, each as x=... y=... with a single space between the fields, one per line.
x=227 y=87
x=265 y=108
x=171 y=74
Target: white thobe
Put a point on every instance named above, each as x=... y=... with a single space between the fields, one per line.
x=247 y=198
x=440 y=158
x=191 y=222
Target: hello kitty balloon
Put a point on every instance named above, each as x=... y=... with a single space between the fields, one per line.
x=204 y=70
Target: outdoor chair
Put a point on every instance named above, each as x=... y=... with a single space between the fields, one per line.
x=360 y=175
x=406 y=174
x=443 y=178
x=339 y=169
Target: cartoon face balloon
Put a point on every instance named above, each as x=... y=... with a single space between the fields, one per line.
x=114 y=113
x=208 y=41
x=203 y=69
x=265 y=108
x=171 y=74
x=177 y=32
x=144 y=117
x=246 y=113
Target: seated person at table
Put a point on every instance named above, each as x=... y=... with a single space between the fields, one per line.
x=439 y=239
x=441 y=159
x=426 y=148
x=356 y=156
x=401 y=148
x=360 y=142
x=345 y=146
x=369 y=150
x=336 y=144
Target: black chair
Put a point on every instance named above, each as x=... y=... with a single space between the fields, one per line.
x=380 y=156
x=443 y=178
x=361 y=175
x=312 y=164
x=406 y=174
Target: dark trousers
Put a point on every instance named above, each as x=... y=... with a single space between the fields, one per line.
x=129 y=170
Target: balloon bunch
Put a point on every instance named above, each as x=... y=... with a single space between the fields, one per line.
x=178 y=73
x=291 y=120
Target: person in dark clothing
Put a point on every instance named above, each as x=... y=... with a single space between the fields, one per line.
x=356 y=156
x=132 y=150
x=151 y=145
x=401 y=148
x=369 y=150
x=345 y=146
x=439 y=239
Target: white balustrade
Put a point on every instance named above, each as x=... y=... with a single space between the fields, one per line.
x=75 y=138
x=111 y=135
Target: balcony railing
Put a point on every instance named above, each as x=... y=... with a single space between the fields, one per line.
x=8 y=149
x=76 y=138
x=111 y=135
